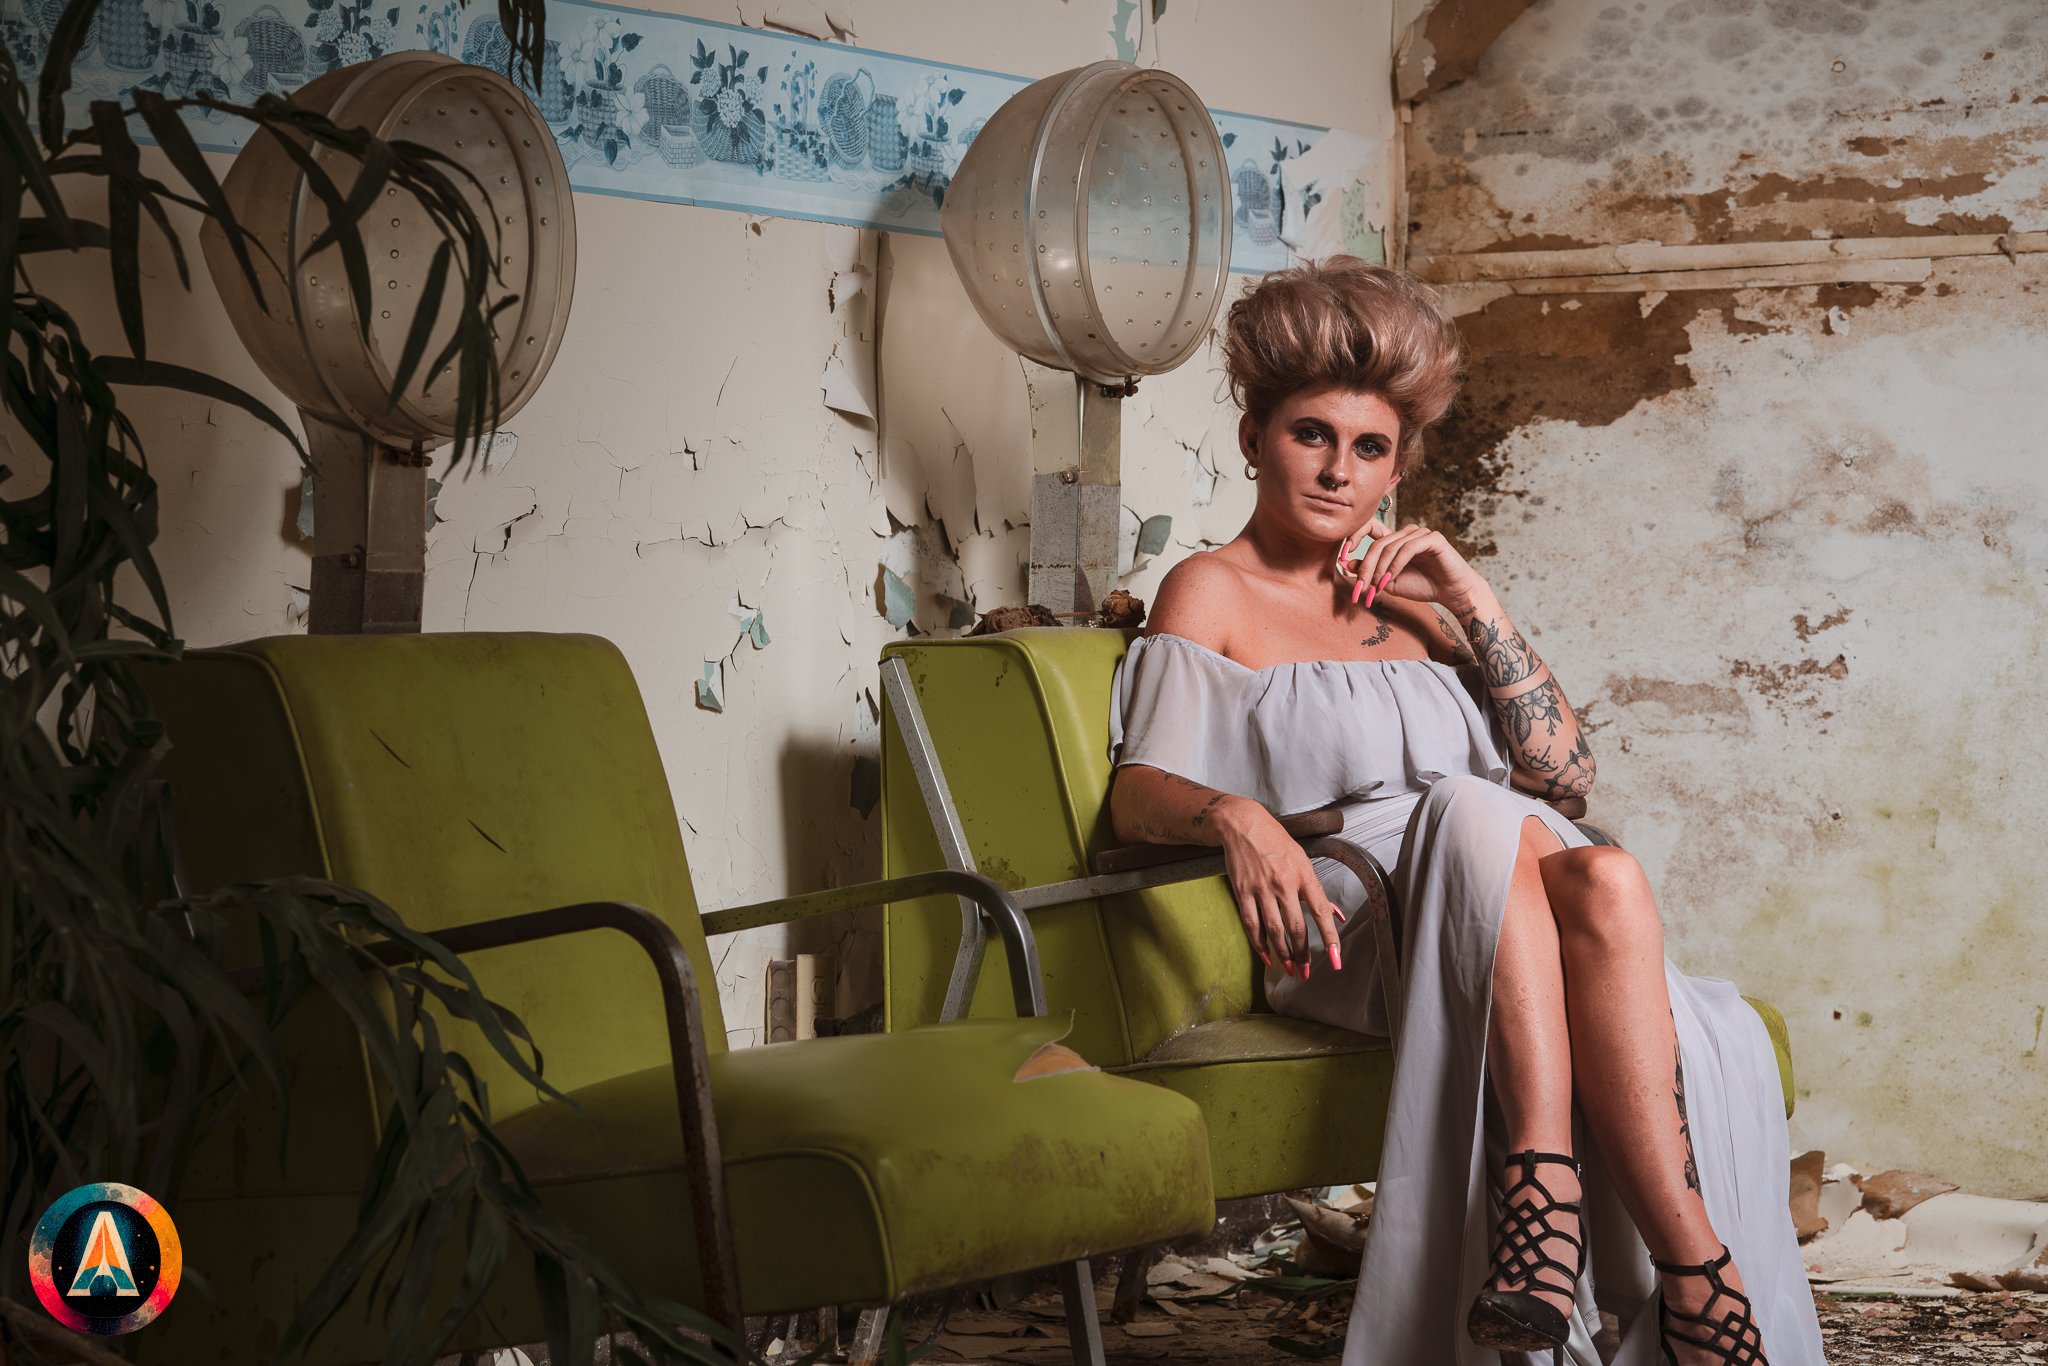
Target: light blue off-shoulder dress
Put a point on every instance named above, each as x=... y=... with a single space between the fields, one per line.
x=1412 y=752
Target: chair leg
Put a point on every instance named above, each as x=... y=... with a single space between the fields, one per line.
x=867 y=1338
x=1132 y=1269
x=1077 y=1288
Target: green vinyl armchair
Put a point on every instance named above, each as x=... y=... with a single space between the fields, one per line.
x=503 y=792
x=996 y=759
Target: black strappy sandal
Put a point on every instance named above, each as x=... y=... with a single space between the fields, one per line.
x=1731 y=1336
x=1516 y=1320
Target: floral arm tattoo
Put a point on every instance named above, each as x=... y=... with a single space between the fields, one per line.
x=1547 y=740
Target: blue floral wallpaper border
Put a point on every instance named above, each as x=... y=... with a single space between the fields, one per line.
x=652 y=106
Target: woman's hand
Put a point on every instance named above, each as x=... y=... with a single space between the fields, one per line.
x=1413 y=562
x=1272 y=881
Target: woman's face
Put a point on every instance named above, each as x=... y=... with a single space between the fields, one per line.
x=1325 y=459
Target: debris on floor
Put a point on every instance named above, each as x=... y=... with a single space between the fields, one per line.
x=1907 y=1271
x=1915 y=1234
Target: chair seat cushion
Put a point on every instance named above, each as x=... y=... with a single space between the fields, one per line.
x=867 y=1167
x=1289 y=1103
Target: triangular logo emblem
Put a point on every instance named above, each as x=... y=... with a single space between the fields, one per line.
x=105 y=1255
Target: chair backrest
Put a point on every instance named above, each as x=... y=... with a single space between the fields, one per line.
x=1020 y=721
x=459 y=777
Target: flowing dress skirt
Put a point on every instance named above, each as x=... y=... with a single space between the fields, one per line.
x=1450 y=852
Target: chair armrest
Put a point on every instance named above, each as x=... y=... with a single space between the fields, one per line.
x=1027 y=982
x=1317 y=841
x=1324 y=820
x=679 y=1001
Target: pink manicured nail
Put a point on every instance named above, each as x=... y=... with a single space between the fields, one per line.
x=1337 y=911
x=1335 y=961
x=1378 y=586
x=1263 y=959
x=1356 y=589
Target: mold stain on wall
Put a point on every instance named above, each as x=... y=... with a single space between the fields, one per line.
x=1585 y=360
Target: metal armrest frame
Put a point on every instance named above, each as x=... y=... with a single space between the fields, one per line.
x=977 y=890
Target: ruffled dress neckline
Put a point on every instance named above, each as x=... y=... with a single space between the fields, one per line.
x=1302 y=733
x=1200 y=648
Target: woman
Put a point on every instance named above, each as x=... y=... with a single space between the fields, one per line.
x=1324 y=656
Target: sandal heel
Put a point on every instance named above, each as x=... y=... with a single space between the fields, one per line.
x=1517 y=1320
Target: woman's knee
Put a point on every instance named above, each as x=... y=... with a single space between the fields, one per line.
x=1600 y=891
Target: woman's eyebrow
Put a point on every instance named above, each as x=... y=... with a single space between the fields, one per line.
x=1330 y=428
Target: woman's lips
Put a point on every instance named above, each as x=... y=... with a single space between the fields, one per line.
x=1331 y=503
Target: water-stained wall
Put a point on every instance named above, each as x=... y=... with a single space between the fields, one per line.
x=1766 y=489
x=753 y=424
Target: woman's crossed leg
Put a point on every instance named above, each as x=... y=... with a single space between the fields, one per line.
x=1581 y=1011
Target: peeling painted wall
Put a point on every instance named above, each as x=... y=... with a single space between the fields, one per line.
x=1785 y=546
x=680 y=485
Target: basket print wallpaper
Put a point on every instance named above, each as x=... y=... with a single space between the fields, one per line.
x=653 y=106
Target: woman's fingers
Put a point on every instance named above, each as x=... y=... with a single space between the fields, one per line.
x=1373 y=566
x=1297 y=932
x=1357 y=544
x=1252 y=933
x=1391 y=570
x=1326 y=916
x=1391 y=555
x=1274 y=926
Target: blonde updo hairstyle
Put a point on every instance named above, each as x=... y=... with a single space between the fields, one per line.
x=1346 y=322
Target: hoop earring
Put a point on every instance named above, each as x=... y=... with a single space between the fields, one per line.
x=1386 y=503
x=1251 y=471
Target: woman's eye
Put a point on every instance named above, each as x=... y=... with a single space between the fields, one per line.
x=1308 y=435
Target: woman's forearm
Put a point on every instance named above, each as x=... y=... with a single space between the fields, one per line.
x=1149 y=805
x=1543 y=733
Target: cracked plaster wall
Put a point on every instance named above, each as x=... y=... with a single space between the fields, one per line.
x=678 y=472
x=1787 y=548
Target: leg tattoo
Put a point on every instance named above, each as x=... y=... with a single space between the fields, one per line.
x=1692 y=1170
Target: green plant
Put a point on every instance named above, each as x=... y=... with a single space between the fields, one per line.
x=123 y=1040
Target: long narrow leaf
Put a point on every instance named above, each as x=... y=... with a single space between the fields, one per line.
x=171 y=134
x=423 y=319
x=67 y=40
x=124 y=219
x=164 y=375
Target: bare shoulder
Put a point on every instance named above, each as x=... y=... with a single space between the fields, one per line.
x=1198 y=600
